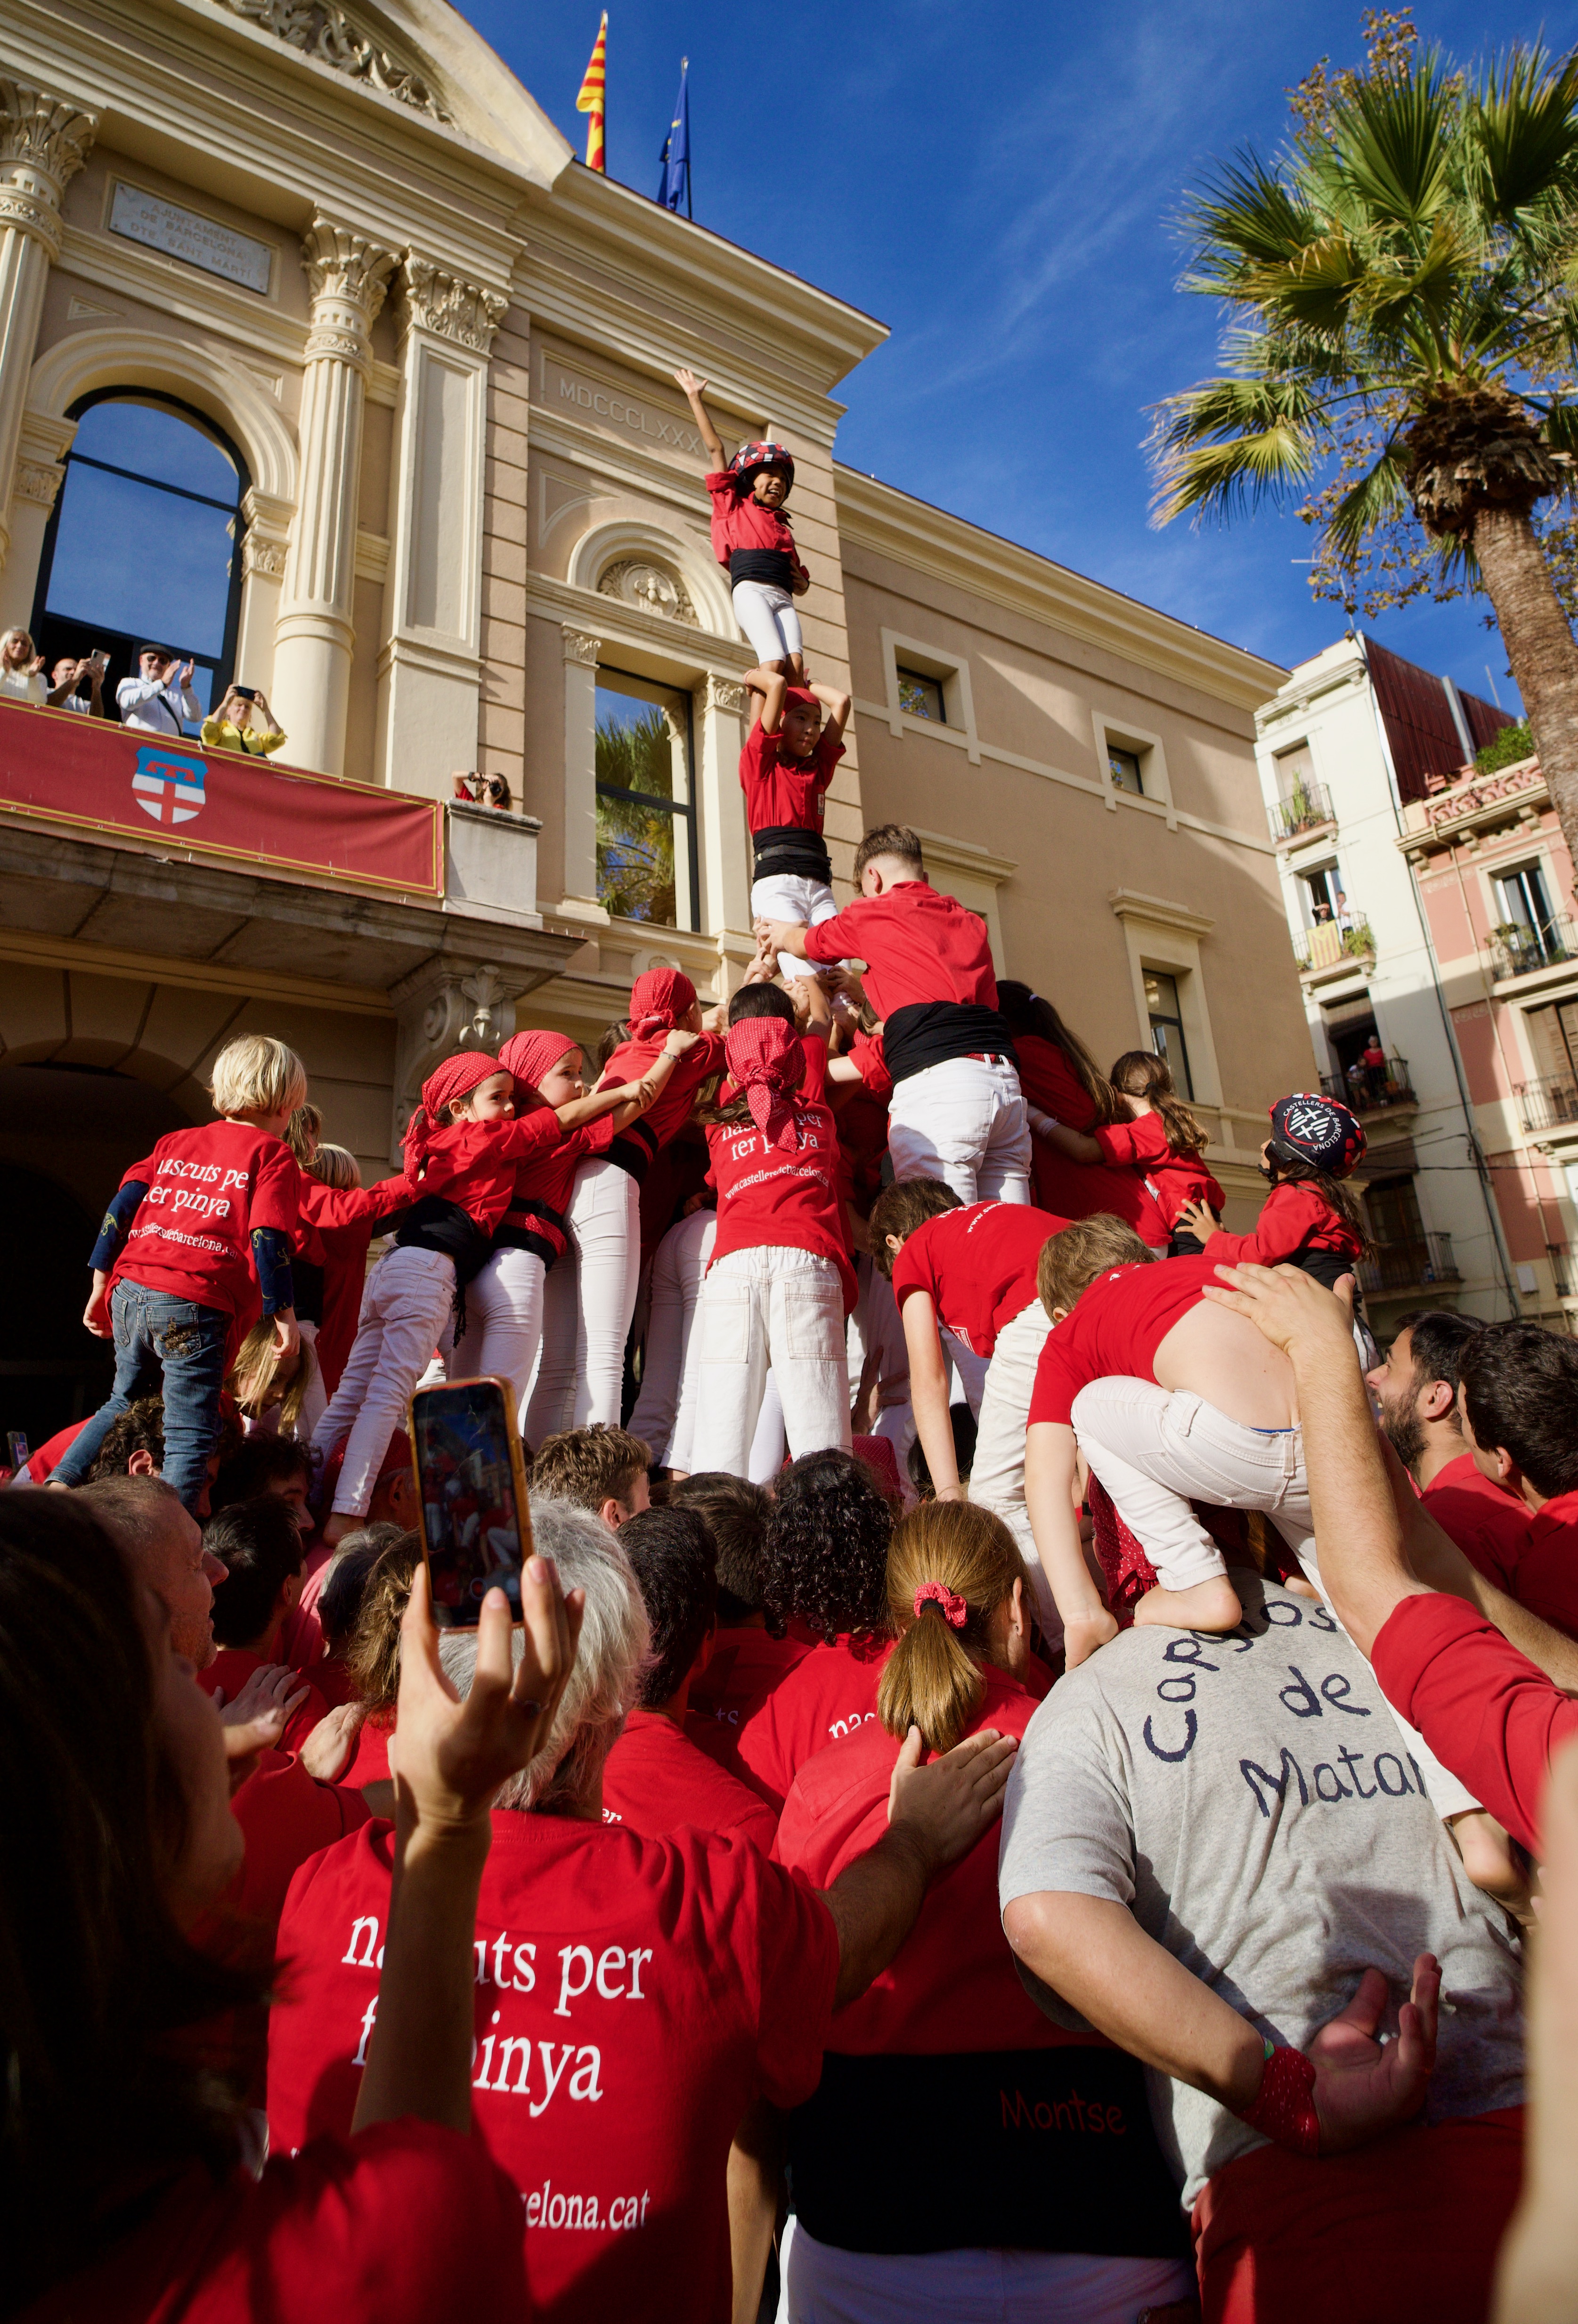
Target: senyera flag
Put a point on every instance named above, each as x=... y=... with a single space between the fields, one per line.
x=100 y=778
x=592 y=98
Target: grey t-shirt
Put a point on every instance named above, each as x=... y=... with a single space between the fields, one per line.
x=1251 y=1799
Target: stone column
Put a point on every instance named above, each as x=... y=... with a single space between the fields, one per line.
x=43 y=142
x=725 y=848
x=580 y=827
x=347 y=275
x=429 y=671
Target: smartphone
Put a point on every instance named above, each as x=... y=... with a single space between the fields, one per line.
x=245 y=693
x=20 y=1456
x=100 y=655
x=471 y=1484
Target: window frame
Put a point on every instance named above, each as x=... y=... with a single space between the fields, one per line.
x=1156 y=1017
x=671 y=806
x=223 y=664
x=922 y=678
x=1120 y=750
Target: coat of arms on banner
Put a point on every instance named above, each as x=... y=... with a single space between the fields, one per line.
x=167 y=787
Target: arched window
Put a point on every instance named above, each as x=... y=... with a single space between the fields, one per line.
x=144 y=545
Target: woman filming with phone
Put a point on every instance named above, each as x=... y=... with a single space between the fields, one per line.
x=244 y=721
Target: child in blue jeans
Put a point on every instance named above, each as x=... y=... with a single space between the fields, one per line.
x=196 y=1238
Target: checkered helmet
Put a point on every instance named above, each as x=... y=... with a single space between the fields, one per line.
x=1319 y=1131
x=743 y=467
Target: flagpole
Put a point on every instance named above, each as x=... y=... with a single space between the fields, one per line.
x=689 y=188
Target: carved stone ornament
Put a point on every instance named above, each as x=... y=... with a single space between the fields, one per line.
x=458 y=310
x=327 y=33
x=261 y=555
x=580 y=648
x=653 y=588
x=439 y=1010
x=38 y=481
x=722 y=694
x=43 y=133
x=344 y=268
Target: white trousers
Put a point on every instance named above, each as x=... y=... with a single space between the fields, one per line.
x=963 y=1121
x=1156 y=1450
x=876 y=1328
x=784 y=896
x=997 y=1478
x=665 y=1413
x=504 y=1322
x=826 y=2285
x=776 y=1308
x=581 y=1375
x=767 y=615
x=405 y=1309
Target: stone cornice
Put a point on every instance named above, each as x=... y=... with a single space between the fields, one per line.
x=1475 y=806
x=317 y=29
x=1158 y=912
x=880 y=518
x=611 y=620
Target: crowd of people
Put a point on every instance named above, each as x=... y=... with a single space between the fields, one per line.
x=1018 y=1784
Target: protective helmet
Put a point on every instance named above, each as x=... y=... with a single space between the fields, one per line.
x=751 y=456
x=1319 y=1131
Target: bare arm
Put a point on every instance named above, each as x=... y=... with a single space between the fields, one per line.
x=756 y=2180
x=1539 y=2259
x=1075 y=1145
x=836 y=706
x=929 y=1393
x=772 y=686
x=782 y=936
x=1049 y=1475
x=694 y=389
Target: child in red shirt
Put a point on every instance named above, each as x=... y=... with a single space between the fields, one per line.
x=1309 y=1219
x=1160 y=1143
x=780 y=1282
x=789 y=758
x=198 y=1240
x=752 y=539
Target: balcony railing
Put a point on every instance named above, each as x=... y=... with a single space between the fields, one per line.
x=1327 y=944
x=1410 y=1265
x=1306 y=809
x=1371 y=1089
x=1546 y=1105
x=1520 y=949
x=1563 y=1257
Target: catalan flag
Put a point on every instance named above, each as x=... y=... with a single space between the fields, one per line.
x=592 y=98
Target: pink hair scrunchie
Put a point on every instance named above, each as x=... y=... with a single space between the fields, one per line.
x=953 y=1609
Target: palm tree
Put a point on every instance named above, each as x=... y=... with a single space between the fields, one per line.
x=1400 y=289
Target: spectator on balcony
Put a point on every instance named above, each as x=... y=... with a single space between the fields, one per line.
x=160 y=700
x=244 y=722
x=21 y=670
x=1372 y=1067
x=65 y=689
x=1345 y=916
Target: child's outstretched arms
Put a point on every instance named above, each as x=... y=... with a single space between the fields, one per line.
x=694 y=389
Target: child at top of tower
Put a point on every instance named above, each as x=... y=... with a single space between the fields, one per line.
x=789 y=757
x=751 y=539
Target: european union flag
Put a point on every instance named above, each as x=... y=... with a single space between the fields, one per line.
x=675 y=180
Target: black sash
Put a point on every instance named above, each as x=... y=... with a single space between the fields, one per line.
x=773 y=568
x=516 y=1230
x=434 y=1224
x=1047 y=2150
x=1327 y=1266
x=635 y=1150
x=785 y=848
x=929 y=1032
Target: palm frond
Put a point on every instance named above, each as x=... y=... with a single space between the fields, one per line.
x=1245 y=216
x=1229 y=444
x=1521 y=135
x=1393 y=138
x=1372 y=499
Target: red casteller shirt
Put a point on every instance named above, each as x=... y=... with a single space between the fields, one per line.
x=1483 y=1707
x=1489 y=1525
x=739 y=521
x=1076 y=1190
x=952 y=1986
x=550 y=1178
x=657 y=1782
x=788 y=1202
x=1547 y=1571
x=231 y=1668
x=633 y=1998
x=1172 y=1179
x=337 y=1227
x=979 y=1266
x=860 y=1110
x=746 y=1667
x=404 y=2222
x=1293 y=1218
x=1115 y=1329
x=783 y=793
x=918 y=943
x=671 y=1109
x=473 y=1163
x=829 y=1694
x=190 y=1236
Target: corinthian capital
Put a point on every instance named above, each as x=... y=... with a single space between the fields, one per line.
x=346 y=277
x=456 y=309
x=39 y=131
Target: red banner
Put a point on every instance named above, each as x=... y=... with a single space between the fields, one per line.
x=101 y=778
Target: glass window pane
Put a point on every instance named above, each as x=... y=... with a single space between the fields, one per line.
x=1161 y=992
x=136 y=558
x=635 y=860
x=921 y=697
x=1125 y=769
x=635 y=746
x=158 y=444
x=644 y=833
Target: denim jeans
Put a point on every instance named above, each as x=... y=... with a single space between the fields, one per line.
x=185 y=1344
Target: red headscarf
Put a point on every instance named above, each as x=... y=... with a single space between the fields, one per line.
x=801 y=694
x=658 y=1001
x=530 y=1055
x=456 y=1078
x=764 y=1059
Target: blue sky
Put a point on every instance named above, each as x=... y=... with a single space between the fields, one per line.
x=996 y=182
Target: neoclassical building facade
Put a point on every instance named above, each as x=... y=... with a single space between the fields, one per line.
x=451 y=503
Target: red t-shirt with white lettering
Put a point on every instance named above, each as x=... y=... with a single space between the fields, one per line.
x=781 y=793
x=746 y=1667
x=919 y=944
x=657 y=1782
x=830 y=1694
x=979 y=1266
x=1115 y=1329
x=786 y=1200
x=633 y=1998
x=952 y=1986
x=403 y=2223
x=190 y=1236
